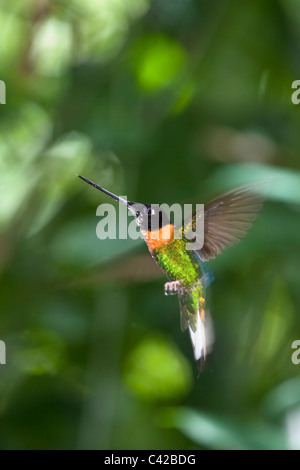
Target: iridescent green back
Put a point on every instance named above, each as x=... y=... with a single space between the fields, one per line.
x=177 y=262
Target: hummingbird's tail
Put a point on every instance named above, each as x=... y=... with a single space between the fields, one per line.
x=202 y=338
x=199 y=323
x=198 y=339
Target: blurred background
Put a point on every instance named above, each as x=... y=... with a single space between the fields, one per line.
x=161 y=101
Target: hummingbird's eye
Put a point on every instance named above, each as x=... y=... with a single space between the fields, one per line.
x=137 y=214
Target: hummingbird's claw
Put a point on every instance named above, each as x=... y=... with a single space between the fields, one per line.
x=172 y=287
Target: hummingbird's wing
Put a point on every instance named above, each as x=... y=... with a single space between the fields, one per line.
x=228 y=217
x=226 y=220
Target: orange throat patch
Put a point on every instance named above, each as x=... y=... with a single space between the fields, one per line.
x=159 y=237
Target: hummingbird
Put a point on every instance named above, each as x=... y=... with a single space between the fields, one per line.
x=227 y=218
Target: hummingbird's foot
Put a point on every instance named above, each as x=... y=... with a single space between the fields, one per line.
x=172 y=287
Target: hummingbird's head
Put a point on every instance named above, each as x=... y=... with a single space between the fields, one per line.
x=152 y=220
x=149 y=217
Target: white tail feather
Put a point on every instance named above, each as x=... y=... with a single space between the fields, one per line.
x=198 y=339
x=203 y=338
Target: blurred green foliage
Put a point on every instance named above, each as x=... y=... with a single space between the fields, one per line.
x=165 y=102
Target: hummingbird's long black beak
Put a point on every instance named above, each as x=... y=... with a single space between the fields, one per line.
x=117 y=198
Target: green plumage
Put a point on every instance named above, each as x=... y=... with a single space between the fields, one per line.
x=180 y=264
